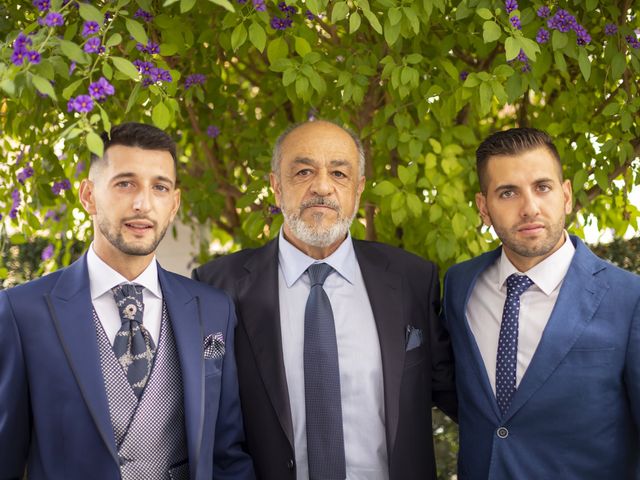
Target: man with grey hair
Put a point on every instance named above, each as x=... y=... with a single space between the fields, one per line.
x=340 y=352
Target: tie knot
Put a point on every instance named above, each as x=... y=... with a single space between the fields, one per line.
x=517 y=284
x=318 y=273
x=128 y=299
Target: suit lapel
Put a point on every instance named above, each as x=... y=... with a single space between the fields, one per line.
x=70 y=307
x=384 y=289
x=185 y=317
x=259 y=311
x=568 y=320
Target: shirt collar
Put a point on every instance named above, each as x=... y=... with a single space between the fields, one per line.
x=547 y=274
x=294 y=262
x=102 y=278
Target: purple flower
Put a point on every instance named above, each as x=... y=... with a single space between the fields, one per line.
x=213 y=131
x=157 y=74
x=54 y=19
x=90 y=28
x=47 y=253
x=515 y=21
x=18 y=57
x=510 y=5
x=143 y=14
x=562 y=21
x=259 y=5
x=542 y=36
x=522 y=57
x=72 y=67
x=610 y=29
x=59 y=187
x=101 y=89
x=543 y=12
x=242 y=2
x=309 y=15
x=93 y=45
x=21 y=42
x=273 y=210
x=150 y=48
x=144 y=67
x=15 y=197
x=195 y=79
x=286 y=9
x=147 y=81
x=107 y=16
x=463 y=75
x=80 y=104
x=632 y=41
x=42 y=5
x=583 y=35
x=278 y=23
x=26 y=172
x=33 y=57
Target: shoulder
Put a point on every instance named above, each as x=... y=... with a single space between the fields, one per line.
x=233 y=263
x=397 y=257
x=38 y=286
x=198 y=289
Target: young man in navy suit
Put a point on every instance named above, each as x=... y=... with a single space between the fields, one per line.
x=546 y=335
x=363 y=409
x=114 y=368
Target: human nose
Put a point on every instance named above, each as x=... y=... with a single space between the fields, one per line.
x=530 y=207
x=321 y=184
x=142 y=200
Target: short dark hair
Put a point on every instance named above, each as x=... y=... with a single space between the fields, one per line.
x=512 y=142
x=133 y=134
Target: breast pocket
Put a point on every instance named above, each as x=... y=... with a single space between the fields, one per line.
x=213 y=366
x=589 y=357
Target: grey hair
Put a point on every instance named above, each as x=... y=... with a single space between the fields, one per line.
x=276 y=156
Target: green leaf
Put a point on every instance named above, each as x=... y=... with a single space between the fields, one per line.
x=559 y=40
x=384 y=188
x=277 y=49
x=71 y=88
x=339 y=12
x=486 y=94
x=484 y=13
x=395 y=15
x=512 y=48
x=8 y=86
x=354 y=22
x=126 y=67
x=133 y=97
x=302 y=87
x=106 y=123
x=611 y=109
x=406 y=175
x=168 y=49
x=451 y=70
x=459 y=225
x=414 y=58
x=391 y=33
x=415 y=204
x=302 y=46
x=258 y=36
x=161 y=116
x=18 y=239
x=618 y=66
x=530 y=47
x=373 y=21
x=585 y=64
x=186 y=5
x=91 y=13
x=602 y=179
x=224 y=4
x=313 y=6
x=413 y=19
x=435 y=213
x=94 y=143
x=73 y=52
x=238 y=36
x=137 y=31
x=289 y=76
x=44 y=86
x=114 y=39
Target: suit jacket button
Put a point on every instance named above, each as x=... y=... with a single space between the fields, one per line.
x=291 y=464
x=502 y=432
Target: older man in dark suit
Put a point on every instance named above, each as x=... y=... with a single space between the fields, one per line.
x=340 y=352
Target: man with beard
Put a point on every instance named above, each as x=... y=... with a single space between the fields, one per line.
x=340 y=353
x=114 y=368
x=546 y=335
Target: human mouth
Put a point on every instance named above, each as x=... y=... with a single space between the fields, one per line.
x=139 y=226
x=530 y=229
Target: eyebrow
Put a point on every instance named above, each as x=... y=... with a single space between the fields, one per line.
x=515 y=187
x=128 y=175
x=313 y=163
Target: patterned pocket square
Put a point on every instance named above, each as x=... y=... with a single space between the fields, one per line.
x=413 y=338
x=214 y=346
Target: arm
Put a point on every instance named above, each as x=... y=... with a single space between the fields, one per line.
x=443 y=380
x=230 y=461
x=632 y=366
x=15 y=425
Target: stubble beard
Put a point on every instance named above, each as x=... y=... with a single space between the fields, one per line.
x=116 y=239
x=553 y=231
x=312 y=233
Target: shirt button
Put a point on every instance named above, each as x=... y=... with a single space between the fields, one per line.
x=290 y=464
x=502 y=432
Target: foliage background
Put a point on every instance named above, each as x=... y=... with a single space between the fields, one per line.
x=421 y=81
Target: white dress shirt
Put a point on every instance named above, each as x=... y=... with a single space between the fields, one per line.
x=102 y=278
x=361 y=382
x=484 y=309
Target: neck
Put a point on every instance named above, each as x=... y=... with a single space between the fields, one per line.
x=129 y=266
x=317 y=253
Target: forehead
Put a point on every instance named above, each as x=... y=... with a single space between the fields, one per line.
x=525 y=166
x=319 y=141
x=138 y=161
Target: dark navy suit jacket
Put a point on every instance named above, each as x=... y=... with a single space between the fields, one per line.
x=54 y=414
x=576 y=413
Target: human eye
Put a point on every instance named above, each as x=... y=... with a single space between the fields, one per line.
x=507 y=194
x=544 y=187
x=339 y=174
x=304 y=172
x=161 y=188
x=124 y=184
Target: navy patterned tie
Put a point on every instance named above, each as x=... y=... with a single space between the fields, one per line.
x=133 y=344
x=507 y=359
x=325 y=438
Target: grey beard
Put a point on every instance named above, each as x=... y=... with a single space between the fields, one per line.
x=317 y=236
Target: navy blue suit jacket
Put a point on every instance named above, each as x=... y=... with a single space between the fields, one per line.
x=54 y=413
x=576 y=413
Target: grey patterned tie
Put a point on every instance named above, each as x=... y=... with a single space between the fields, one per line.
x=325 y=438
x=133 y=344
x=507 y=359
